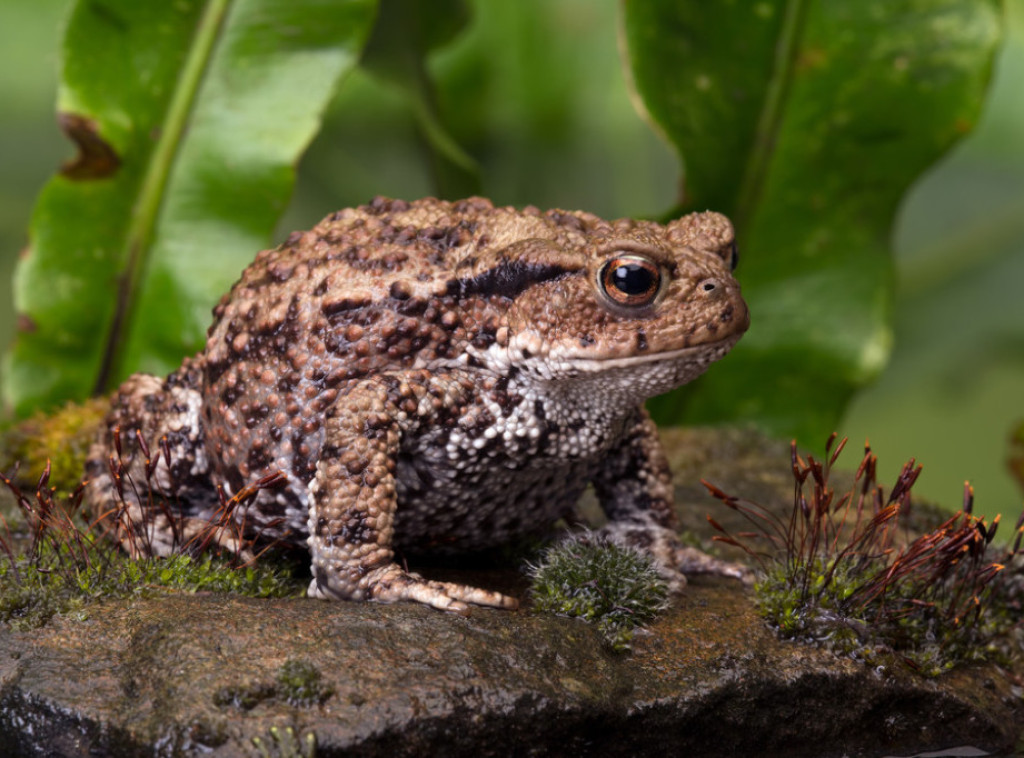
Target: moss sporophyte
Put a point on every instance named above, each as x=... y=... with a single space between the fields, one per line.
x=57 y=563
x=839 y=572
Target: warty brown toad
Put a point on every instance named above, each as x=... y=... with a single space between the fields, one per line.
x=432 y=377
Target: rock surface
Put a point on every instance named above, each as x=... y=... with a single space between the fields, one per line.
x=178 y=674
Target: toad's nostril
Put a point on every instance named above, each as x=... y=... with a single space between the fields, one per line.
x=708 y=285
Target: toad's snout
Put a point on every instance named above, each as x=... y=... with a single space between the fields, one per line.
x=721 y=295
x=712 y=288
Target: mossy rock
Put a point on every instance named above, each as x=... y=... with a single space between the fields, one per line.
x=707 y=677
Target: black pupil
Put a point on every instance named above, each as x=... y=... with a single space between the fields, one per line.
x=632 y=279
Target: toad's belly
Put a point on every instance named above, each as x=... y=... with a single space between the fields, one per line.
x=473 y=500
x=449 y=510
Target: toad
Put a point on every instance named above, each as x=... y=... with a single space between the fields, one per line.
x=432 y=377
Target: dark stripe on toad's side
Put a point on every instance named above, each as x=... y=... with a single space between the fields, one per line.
x=507 y=279
x=341 y=304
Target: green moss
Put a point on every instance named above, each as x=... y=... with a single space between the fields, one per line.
x=61 y=438
x=62 y=580
x=297 y=682
x=300 y=683
x=1003 y=622
x=29 y=601
x=822 y=613
x=842 y=571
x=57 y=565
x=244 y=697
x=285 y=743
x=616 y=588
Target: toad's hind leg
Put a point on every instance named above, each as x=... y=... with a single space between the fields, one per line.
x=148 y=481
x=353 y=499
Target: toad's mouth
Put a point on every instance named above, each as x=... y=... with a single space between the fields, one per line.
x=694 y=355
x=706 y=352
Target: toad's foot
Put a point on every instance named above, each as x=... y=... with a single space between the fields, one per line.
x=691 y=560
x=390 y=584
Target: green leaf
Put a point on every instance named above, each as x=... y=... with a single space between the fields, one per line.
x=189 y=117
x=806 y=122
x=406 y=32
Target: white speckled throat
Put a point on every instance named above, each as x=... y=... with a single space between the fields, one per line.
x=624 y=381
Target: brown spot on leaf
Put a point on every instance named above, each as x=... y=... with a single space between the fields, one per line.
x=25 y=324
x=96 y=159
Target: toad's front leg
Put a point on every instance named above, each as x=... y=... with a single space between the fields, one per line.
x=634 y=487
x=352 y=498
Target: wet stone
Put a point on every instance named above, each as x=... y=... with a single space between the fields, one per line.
x=179 y=674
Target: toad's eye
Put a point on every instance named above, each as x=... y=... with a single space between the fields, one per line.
x=630 y=280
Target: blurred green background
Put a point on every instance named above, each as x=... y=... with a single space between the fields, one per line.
x=556 y=128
